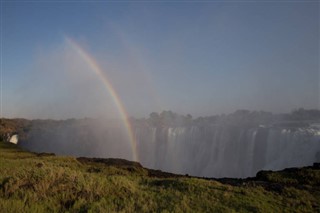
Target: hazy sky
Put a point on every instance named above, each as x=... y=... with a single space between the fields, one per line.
x=202 y=58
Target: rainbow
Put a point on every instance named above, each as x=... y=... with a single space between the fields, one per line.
x=121 y=109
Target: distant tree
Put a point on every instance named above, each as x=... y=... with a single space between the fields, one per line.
x=189 y=119
x=154 y=118
x=304 y=114
x=167 y=117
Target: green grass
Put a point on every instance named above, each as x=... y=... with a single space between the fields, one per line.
x=30 y=182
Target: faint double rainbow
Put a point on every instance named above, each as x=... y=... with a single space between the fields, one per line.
x=102 y=76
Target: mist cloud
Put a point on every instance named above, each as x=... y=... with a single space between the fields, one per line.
x=60 y=85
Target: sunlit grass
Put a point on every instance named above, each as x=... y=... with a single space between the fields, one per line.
x=38 y=183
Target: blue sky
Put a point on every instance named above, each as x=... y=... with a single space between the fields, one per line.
x=189 y=57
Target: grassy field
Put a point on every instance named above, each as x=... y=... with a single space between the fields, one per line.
x=31 y=182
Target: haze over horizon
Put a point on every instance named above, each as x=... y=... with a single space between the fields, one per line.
x=198 y=58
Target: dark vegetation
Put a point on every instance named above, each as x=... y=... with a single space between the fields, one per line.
x=297 y=118
x=31 y=182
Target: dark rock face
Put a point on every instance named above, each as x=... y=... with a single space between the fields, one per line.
x=110 y=162
x=276 y=181
x=45 y=154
